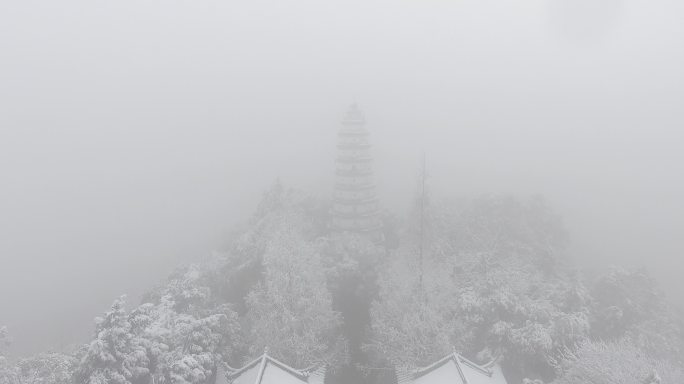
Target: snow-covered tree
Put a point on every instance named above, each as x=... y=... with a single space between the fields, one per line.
x=525 y=315
x=116 y=355
x=47 y=368
x=507 y=308
x=496 y=227
x=162 y=341
x=628 y=303
x=306 y=216
x=491 y=286
x=290 y=311
x=186 y=290
x=347 y=257
x=4 y=339
x=615 y=362
x=414 y=324
x=8 y=373
x=185 y=335
x=242 y=266
x=44 y=368
x=193 y=347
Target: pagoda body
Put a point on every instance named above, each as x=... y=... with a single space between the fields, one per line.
x=355 y=205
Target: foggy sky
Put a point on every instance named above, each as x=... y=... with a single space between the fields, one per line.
x=135 y=134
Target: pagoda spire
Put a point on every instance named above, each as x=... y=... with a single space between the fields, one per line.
x=355 y=205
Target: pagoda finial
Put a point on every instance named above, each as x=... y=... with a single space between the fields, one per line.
x=354 y=115
x=266 y=350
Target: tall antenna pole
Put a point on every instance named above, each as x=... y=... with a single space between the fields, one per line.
x=422 y=223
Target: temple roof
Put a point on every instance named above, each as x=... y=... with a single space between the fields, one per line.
x=454 y=369
x=267 y=370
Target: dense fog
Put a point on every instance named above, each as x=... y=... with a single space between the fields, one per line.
x=134 y=135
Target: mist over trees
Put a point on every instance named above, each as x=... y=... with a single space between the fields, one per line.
x=134 y=135
x=141 y=243
x=499 y=290
x=488 y=276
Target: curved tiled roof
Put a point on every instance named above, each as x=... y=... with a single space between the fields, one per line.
x=461 y=371
x=268 y=370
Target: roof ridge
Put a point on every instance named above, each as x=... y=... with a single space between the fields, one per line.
x=245 y=367
x=482 y=368
x=262 y=367
x=458 y=360
x=433 y=365
x=297 y=372
x=456 y=357
x=492 y=362
x=264 y=359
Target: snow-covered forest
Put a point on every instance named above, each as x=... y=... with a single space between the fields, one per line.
x=341 y=192
x=493 y=280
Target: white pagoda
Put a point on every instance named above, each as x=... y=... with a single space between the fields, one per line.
x=355 y=205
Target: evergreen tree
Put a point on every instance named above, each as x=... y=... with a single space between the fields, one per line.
x=628 y=303
x=615 y=362
x=489 y=289
x=47 y=368
x=8 y=374
x=290 y=311
x=116 y=355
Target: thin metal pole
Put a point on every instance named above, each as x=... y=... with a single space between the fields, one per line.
x=422 y=225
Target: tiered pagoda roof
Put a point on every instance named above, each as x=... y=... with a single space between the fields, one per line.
x=355 y=207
